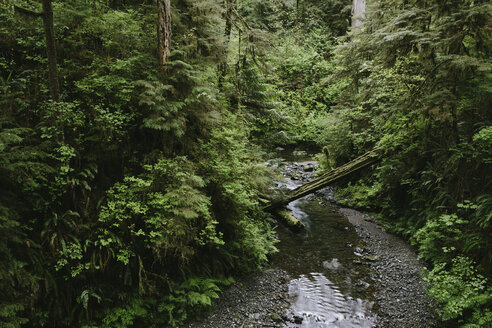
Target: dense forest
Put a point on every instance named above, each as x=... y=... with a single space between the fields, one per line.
x=134 y=134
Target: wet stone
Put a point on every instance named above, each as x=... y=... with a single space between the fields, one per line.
x=298 y=319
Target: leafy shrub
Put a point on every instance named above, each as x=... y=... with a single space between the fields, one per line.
x=359 y=195
x=191 y=298
x=483 y=140
x=441 y=236
x=460 y=288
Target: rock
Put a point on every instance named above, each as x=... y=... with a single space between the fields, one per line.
x=363 y=284
x=308 y=168
x=299 y=153
x=255 y=316
x=359 y=249
x=373 y=276
x=287 y=218
x=372 y=258
x=298 y=320
x=332 y=265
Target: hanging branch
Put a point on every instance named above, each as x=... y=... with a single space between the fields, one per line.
x=27 y=12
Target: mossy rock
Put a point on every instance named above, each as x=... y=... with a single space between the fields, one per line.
x=290 y=220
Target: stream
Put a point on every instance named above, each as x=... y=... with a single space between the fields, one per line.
x=330 y=284
x=342 y=270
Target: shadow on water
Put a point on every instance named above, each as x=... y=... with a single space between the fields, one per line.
x=331 y=285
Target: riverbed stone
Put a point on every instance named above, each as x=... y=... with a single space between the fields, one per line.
x=299 y=153
x=332 y=265
x=308 y=168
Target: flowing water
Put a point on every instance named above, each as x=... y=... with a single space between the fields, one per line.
x=330 y=285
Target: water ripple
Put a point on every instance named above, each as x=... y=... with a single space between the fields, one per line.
x=320 y=304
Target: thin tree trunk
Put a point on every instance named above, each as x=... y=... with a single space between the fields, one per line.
x=230 y=4
x=297 y=13
x=51 y=50
x=164 y=30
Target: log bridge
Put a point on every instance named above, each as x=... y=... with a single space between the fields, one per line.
x=324 y=180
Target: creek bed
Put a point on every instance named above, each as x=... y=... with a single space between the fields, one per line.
x=330 y=282
x=341 y=271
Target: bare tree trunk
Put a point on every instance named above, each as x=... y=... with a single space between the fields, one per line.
x=51 y=50
x=164 y=30
x=230 y=5
x=358 y=13
x=297 y=13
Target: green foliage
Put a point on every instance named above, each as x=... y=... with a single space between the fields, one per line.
x=483 y=140
x=484 y=211
x=459 y=289
x=305 y=98
x=163 y=210
x=129 y=191
x=359 y=195
x=235 y=179
x=415 y=81
x=440 y=237
x=122 y=204
x=132 y=312
x=191 y=297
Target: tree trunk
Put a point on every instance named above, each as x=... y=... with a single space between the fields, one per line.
x=358 y=13
x=164 y=30
x=325 y=179
x=51 y=50
x=297 y=13
x=230 y=5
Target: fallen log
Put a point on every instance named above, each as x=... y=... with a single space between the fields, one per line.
x=325 y=179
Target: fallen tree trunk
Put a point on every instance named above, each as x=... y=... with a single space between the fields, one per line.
x=324 y=180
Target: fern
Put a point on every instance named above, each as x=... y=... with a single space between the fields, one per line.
x=194 y=295
x=484 y=211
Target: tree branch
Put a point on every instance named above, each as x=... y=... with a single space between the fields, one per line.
x=27 y=12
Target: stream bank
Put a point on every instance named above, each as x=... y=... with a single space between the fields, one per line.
x=399 y=288
x=342 y=271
